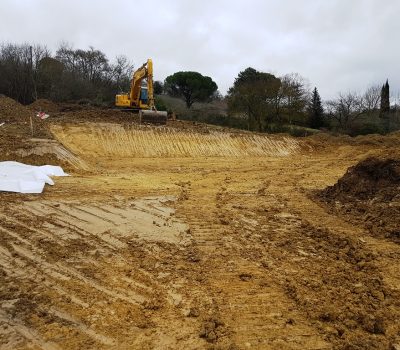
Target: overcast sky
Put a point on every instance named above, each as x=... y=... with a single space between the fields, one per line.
x=338 y=45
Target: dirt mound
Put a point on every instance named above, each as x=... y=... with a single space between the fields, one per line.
x=371 y=178
x=325 y=141
x=86 y=114
x=20 y=125
x=104 y=115
x=370 y=193
x=391 y=140
x=11 y=110
x=43 y=105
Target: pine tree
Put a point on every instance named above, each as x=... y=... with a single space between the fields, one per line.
x=385 y=101
x=316 y=111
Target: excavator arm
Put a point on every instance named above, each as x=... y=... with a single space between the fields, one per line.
x=144 y=72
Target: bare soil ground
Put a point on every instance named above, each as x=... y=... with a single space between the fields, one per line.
x=193 y=237
x=369 y=193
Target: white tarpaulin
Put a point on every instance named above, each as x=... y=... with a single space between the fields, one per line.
x=22 y=178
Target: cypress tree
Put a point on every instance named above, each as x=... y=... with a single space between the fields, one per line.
x=316 y=111
x=385 y=100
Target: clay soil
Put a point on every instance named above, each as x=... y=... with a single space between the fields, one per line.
x=199 y=238
x=369 y=194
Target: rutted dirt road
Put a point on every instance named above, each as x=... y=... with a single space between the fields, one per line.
x=203 y=242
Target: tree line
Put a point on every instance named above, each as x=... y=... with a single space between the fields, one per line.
x=267 y=103
x=29 y=72
x=258 y=101
x=364 y=113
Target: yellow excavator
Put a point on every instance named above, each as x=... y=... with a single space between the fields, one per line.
x=141 y=96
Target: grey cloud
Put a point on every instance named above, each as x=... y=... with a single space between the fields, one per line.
x=338 y=45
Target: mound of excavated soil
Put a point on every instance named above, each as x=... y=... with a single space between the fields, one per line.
x=12 y=111
x=369 y=193
x=20 y=125
x=372 y=178
x=43 y=105
x=96 y=114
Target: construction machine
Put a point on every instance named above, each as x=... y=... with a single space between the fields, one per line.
x=141 y=96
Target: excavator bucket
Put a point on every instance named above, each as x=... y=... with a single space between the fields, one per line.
x=153 y=117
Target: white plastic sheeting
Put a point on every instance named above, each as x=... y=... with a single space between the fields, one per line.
x=22 y=178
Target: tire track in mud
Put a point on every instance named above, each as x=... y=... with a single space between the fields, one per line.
x=42 y=258
x=61 y=271
x=331 y=278
x=28 y=333
x=252 y=306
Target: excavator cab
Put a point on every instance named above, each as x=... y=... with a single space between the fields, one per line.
x=144 y=96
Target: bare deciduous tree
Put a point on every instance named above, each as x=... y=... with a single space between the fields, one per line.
x=346 y=109
x=28 y=72
x=18 y=70
x=293 y=96
x=121 y=71
x=372 y=98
